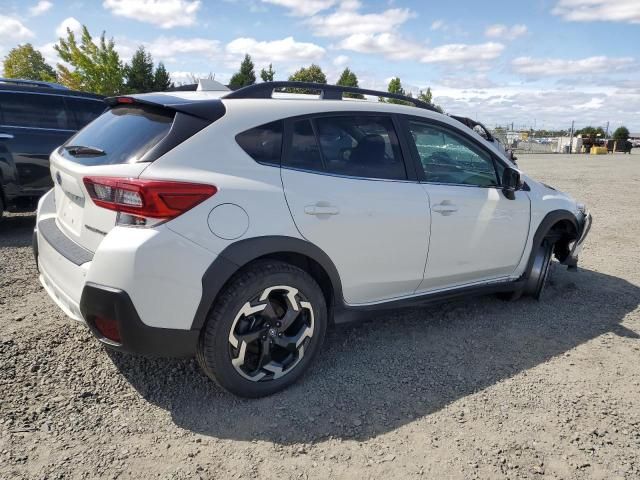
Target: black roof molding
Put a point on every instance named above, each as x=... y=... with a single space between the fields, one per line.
x=327 y=92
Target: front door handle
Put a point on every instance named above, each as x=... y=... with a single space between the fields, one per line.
x=321 y=210
x=445 y=208
x=6 y=136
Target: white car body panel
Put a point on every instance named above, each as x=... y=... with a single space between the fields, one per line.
x=467 y=220
x=377 y=235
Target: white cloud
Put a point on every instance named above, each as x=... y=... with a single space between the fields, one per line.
x=68 y=23
x=598 y=10
x=348 y=21
x=164 y=13
x=543 y=67
x=341 y=60
x=41 y=7
x=437 y=25
x=169 y=48
x=396 y=47
x=463 y=53
x=12 y=30
x=303 y=8
x=503 y=31
x=285 y=50
x=390 y=45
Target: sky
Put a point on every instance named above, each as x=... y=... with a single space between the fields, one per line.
x=534 y=63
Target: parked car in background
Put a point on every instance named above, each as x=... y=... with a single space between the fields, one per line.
x=35 y=118
x=236 y=228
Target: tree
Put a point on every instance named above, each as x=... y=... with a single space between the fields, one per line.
x=140 y=77
x=313 y=74
x=349 y=79
x=427 y=97
x=246 y=75
x=161 y=79
x=267 y=75
x=95 y=68
x=590 y=132
x=621 y=133
x=27 y=63
x=395 y=86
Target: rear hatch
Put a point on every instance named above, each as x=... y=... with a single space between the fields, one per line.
x=120 y=143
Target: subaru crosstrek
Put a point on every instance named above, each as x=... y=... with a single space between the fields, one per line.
x=238 y=228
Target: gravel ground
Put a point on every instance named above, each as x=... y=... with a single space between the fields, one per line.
x=472 y=388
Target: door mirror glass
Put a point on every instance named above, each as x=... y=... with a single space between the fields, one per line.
x=511 y=182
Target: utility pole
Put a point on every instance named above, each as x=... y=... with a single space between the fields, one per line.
x=606 y=135
x=571 y=138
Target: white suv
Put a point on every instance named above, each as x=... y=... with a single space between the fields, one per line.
x=238 y=228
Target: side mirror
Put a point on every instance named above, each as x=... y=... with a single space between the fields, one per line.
x=511 y=182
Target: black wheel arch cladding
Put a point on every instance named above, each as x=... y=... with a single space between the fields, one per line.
x=548 y=222
x=241 y=253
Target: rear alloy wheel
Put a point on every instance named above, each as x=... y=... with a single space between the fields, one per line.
x=264 y=331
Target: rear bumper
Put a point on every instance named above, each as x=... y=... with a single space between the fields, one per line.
x=146 y=281
x=135 y=337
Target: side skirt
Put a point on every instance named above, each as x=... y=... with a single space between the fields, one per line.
x=346 y=313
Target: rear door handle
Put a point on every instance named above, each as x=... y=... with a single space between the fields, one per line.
x=5 y=136
x=321 y=210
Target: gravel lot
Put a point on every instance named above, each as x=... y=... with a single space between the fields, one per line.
x=471 y=388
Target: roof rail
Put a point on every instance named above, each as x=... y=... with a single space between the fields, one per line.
x=33 y=83
x=327 y=92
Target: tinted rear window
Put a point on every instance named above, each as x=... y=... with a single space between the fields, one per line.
x=124 y=133
x=263 y=143
x=34 y=111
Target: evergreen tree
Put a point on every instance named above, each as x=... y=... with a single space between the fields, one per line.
x=139 y=74
x=267 y=75
x=395 y=86
x=427 y=97
x=349 y=79
x=246 y=75
x=161 y=79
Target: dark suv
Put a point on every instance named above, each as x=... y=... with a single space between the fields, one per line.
x=35 y=118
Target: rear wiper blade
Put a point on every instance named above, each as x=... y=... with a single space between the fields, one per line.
x=76 y=150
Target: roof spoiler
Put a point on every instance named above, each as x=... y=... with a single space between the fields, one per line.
x=210 y=109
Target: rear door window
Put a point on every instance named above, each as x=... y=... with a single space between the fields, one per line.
x=361 y=146
x=263 y=143
x=85 y=110
x=304 y=152
x=32 y=110
x=124 y=134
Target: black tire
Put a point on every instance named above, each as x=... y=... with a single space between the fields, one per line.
x=540 y=270
x=227 y=323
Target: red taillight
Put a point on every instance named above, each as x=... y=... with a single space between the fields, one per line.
x=125 y=100
x=156 y=199
x=108 y=328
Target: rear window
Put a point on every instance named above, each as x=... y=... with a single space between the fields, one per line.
x=124 y=134
x=33 y=110
x=263 y=143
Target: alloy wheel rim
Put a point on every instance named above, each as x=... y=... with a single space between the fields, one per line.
x=270 y=332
